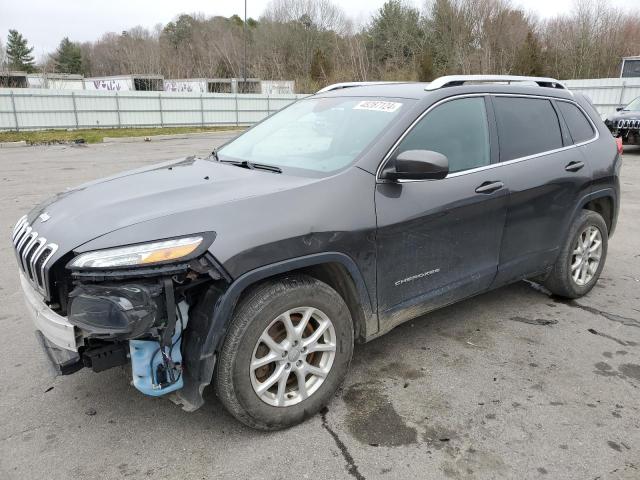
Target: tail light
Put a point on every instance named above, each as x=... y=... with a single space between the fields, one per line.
x=619 y=144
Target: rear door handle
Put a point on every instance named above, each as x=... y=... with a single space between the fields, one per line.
x=489 y=187
x=574 y=166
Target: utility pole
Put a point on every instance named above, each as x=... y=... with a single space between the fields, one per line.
x=244 y=35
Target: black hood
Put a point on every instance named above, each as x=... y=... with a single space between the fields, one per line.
x=92 y=210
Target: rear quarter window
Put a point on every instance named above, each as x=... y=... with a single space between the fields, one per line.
x=579 y=127
x=526 y=126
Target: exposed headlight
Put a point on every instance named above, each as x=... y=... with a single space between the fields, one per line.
x=144 y=254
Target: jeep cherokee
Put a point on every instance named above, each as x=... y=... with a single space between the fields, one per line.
x=331 y=222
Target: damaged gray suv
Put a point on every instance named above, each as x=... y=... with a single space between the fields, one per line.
x=329 y=223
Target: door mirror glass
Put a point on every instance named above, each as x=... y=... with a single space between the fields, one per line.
x=619 y=109
x=417 y=165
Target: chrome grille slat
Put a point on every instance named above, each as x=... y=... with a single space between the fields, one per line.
x=31 y=239
x=53 y=247
x=20 y=233
x=23 y=240
x=33 y=253
x=18 y=226
x=42 y=243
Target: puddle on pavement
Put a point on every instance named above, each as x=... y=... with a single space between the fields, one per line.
x=372 y=420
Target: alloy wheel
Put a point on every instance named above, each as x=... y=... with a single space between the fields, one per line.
x=585 y=258
x=293 y=356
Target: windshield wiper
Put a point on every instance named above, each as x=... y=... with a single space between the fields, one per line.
x=252 y=165
x=268 y=168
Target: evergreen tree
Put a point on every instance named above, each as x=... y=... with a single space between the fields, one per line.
x=426 y=71
x=236 y=20
x=19 y=53
x=181 y=30
x=320 y=66
x=448 y=32
x=68 y=58
x=528 y=59
x=395 y=33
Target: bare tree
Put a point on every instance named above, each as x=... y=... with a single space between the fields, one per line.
x=313 y=42
x=322 y=14
x=590 y=41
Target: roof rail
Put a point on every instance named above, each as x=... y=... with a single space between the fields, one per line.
x=457 y=80
x=338 y=86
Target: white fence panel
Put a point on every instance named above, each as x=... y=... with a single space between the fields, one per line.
x=35 y=111
x=38 y=109
x=7 y=113
x=252 y=108
x=607 y=93
x=221 y=109
x=181 y=111
x=96 y=111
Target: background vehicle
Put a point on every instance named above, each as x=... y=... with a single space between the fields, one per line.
x=331 y=222
x=625 y=123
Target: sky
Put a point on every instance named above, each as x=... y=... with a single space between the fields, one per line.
x=45 y=22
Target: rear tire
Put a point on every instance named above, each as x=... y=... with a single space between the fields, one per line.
x=272 y=372
x=582 y=258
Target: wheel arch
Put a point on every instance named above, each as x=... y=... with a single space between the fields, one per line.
x=605 y=203
x=336 y=269
x=337 y=276
x=604 y=206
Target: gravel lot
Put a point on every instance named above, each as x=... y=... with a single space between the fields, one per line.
x=511 y=384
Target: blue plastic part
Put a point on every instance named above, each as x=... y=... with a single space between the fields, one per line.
x=145 y=358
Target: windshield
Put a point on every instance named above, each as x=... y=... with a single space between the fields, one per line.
x=318 y=134
x=634 y=105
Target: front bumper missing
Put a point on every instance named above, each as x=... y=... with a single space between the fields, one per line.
x=55 y=334
x=61 y=361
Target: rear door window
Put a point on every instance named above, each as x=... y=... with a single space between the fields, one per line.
x=457 y=129
x=579 y=127
x=526 y=126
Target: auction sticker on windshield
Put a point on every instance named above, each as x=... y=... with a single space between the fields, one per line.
x=378 y=106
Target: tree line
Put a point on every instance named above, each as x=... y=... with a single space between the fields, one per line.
x=315 y=43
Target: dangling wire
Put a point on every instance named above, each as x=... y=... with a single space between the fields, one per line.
x=167 y=360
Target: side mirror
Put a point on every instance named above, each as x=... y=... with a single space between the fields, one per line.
x=417 y=165
x=619 y=109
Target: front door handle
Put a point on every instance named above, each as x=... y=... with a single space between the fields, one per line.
x=489 y=187
x=574 y=166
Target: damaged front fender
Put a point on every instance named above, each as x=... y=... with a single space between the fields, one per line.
x=210 y=319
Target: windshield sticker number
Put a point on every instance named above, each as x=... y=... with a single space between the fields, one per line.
x=378 y=106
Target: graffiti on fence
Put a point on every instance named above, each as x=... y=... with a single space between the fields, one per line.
x=278 y=87
x=182 y=86
x=111 y=85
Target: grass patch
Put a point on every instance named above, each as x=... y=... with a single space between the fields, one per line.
x=95 y=135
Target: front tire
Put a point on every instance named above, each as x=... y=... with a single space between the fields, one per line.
x=287 y=351
x=582 y=258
